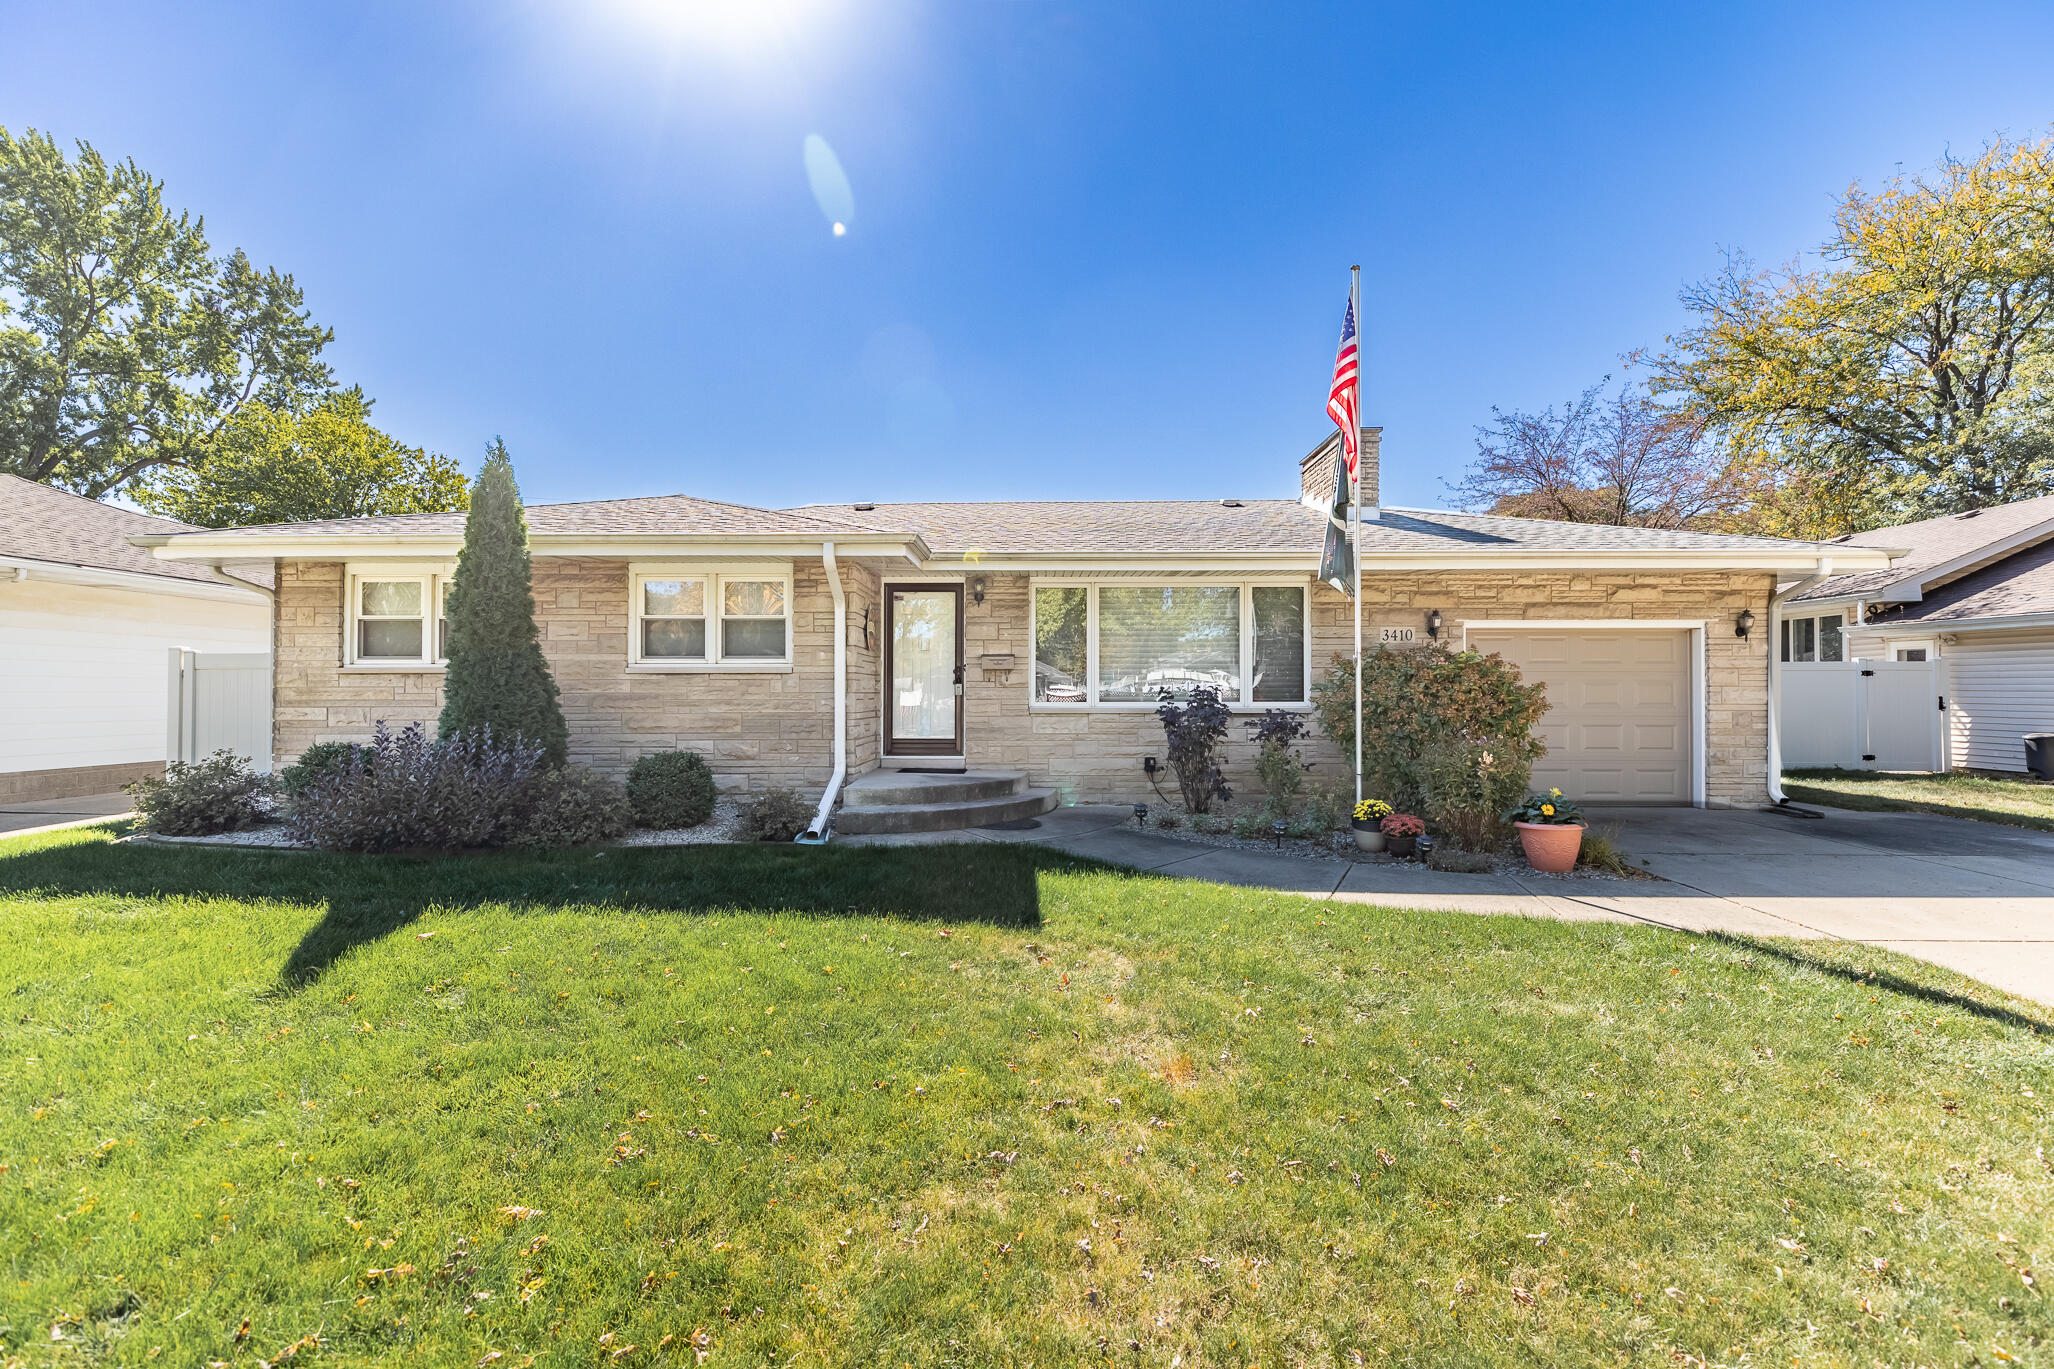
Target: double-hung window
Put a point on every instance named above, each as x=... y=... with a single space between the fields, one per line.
x=693 y=618
x=396 y=618
x=1813 y=639
x=1125 y=645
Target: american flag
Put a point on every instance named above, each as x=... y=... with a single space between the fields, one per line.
x=1342 y=399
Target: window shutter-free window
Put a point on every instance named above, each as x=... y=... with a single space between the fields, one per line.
x=752 y=619
x=673 y=619
x=1153 y=638
x=1279 y=612
x=390 y=623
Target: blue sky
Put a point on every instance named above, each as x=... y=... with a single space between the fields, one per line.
x=1095 y=249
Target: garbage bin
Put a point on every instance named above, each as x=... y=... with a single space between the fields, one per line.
x=2039 y=755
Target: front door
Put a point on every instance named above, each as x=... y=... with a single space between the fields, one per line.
x=923 y=670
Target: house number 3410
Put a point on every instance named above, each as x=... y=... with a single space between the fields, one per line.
x=1395 y=634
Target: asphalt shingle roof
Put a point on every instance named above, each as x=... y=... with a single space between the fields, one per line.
x=663 y=513
x=1172 y=525
x=2018 y=585
x=38 y=523
x=1931 y=542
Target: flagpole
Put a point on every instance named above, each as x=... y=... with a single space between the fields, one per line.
x=1355 y=510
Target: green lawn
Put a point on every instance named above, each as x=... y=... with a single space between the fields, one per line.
x=975 y=1106
x=2016 y=803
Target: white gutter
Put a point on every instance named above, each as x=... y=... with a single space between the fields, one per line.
x=228 y=588
x=817 y=834
x=1776 y=599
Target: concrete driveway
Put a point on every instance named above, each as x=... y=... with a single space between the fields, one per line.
x=1972 y=896
x=43 y=815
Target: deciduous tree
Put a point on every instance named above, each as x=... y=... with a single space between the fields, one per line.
x=125 y=344
x=275 y=466
x=1603 y=458
x=1911 y=373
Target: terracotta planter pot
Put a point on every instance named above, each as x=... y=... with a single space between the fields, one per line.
x=1401 y=846
x=1551 y=847
x=1369 y=836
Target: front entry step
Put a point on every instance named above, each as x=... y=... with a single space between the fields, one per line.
x=894 y=802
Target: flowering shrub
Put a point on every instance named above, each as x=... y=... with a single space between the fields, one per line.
x=404 y=790
x=1402 y=825
x=1372 y=810
x=1466 y=784
x=1195 y=731
x=1548 y=809
x=200 y=798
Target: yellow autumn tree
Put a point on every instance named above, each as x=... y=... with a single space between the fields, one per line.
x=1909 y=372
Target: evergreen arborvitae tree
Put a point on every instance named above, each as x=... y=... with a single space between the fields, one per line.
x=496 y=673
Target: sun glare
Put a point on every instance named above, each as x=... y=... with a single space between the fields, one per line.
x=734 y=28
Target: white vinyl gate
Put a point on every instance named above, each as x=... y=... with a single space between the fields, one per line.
x=1863 y=715
x=220 y=699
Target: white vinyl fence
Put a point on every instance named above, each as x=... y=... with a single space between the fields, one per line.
x=1863 y=715
x=220 y=699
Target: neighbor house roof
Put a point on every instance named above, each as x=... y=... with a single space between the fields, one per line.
x=1937 y=549
x=42 y=524
x=2019 y=586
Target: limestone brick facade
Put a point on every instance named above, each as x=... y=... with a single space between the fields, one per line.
x=761 y=730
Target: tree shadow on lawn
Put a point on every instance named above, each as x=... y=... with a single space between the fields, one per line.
x=1870 y=977
x=365 y=898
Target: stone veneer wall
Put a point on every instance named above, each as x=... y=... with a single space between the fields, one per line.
x=757 y=730
x=763 y=730
x=1097 y=756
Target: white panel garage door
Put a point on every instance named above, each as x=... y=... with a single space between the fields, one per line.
x=1618 y=720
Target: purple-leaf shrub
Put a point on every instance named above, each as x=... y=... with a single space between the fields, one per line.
x=407 y=791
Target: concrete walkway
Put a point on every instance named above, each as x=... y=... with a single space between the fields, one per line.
x=1972 y=896
x=19 y=819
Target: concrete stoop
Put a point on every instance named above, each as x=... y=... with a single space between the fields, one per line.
x=892 y=801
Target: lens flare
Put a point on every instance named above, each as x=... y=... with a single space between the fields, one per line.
x=830 y=184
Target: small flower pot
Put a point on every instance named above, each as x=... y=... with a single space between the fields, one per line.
x=1368 y=835
x=1402 y=846
x=1551 y=847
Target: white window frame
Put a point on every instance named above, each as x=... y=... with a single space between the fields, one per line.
x=714 y=575
x=1818 y=622
x=1245 y=702
x=433 y=577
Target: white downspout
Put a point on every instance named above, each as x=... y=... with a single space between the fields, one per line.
x=817 y=834
x=1775 y=676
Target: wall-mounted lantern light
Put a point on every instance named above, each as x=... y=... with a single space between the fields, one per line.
x=1743 y=623
x=1433 y=624
x=977 y=590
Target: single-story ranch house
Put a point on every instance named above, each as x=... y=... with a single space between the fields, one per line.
x=801 y=646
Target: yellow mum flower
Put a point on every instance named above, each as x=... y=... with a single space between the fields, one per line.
x=1556 y=792
x=1548 y=808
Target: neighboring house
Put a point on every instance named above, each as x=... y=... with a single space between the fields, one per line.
x=1974 y=590
x=1034 y=636
x=86 y=623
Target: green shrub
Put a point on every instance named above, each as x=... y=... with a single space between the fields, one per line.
x=1211 y=825
x=779 y=815
x=1249 y=826
x=1277 y=763
x=1416 y=697
x=1468 y=783
x=320 y=759
x=1169 y=821
x=197 y=799
x=571 y=806
x=671 y=789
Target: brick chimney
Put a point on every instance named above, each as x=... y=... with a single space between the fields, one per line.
x=1316 y=470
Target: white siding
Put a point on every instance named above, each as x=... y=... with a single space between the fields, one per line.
x=2002 y=687
x=83 y=669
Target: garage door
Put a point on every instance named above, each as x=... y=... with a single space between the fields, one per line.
x=1618 y=720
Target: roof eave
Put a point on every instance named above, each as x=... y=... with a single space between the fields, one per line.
x=1927 y=627
x=218 y=547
